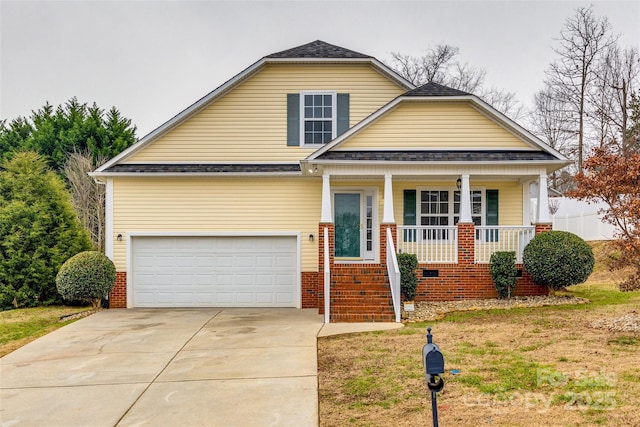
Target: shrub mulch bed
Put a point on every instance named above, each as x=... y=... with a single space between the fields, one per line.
x=425 y=311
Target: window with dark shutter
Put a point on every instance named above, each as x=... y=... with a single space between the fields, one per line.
x=316 y=118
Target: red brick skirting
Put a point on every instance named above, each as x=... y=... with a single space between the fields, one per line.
x=309 y=281
x=118 y=296
x=472 y=281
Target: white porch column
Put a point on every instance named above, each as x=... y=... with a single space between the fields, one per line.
x=387 y=217
x=465 y=200
x=326 y=215
x=543 y=201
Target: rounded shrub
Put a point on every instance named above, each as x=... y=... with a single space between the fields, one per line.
x=557 y=259
x=504 y=273
x=408 y=263
x=87 y=276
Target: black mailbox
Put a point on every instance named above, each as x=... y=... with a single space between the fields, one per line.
x=433 y=364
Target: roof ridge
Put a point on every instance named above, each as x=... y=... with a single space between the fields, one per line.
x=436 y=89
x=318 y=49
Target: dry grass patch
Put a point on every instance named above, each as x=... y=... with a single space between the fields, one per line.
x=539 y=366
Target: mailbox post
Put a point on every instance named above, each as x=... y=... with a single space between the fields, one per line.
x=434 y=367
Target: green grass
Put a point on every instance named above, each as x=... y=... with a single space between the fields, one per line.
x=625 y=340
x=503 y=369
x=601 y=297
x=18 y=327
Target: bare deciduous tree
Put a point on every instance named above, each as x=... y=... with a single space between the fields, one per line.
x=617 y=78
x=551 y=120
x=582 y=40
x=439 y=65
x=86 y=195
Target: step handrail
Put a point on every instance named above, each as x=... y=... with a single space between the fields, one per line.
x=394 y=274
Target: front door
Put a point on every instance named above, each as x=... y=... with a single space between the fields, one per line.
x=354 y=225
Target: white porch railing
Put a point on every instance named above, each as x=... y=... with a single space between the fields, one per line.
x=394 y=274
x=327 y=278
x=431 y=244
x=493 y=238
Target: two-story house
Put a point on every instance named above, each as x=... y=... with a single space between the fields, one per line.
x=302 y=177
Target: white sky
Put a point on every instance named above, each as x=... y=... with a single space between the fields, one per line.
x=152 y=59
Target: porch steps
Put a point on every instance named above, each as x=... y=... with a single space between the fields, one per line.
x=360 y=294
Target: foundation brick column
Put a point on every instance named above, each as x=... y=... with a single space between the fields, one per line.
x=383 y=241
x=542 y=228
x=118 y=295
x=466 y=243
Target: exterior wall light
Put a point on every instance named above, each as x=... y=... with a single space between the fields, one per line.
x=311 y=237
x=119 y=237
x=459 y=183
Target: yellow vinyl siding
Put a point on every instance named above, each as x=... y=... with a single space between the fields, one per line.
x=444 y=125
x=249 y=123
x=218 y=205
x=509 y=197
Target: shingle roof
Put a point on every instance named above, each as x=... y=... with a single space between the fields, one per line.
x=318 y=49
x=435 y=89
x=203 y=168
x=438 y=156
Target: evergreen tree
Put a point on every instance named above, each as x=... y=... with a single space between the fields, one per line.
x=39 y=231
x=72 y=127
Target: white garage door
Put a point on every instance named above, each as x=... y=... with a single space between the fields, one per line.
x=214 y=271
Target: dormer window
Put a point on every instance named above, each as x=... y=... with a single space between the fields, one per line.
x=318 y=112
x=316 y=117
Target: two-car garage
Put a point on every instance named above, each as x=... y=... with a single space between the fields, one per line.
x=214 y=271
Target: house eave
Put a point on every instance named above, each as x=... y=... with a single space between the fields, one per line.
x=194 y=174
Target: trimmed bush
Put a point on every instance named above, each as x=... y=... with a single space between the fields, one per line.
x=504 y=273
x=87 y=276
x=407 y=263
x=558 y=259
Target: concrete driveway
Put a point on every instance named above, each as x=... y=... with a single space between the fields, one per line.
x=157 y=367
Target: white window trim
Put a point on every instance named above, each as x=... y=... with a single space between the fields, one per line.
x=452 y=215
x=334 y=115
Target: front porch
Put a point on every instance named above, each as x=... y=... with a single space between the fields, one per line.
x=454 y=260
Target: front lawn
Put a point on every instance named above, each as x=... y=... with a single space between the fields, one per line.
x=21 y=326
x=529 y=366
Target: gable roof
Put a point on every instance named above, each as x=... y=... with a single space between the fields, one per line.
x=315 y=52
x=318 y=49
x=433 y=92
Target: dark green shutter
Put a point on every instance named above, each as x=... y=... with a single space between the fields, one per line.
x=293 y=119
x=409 y=214
x=343 y=113
x=492 y=213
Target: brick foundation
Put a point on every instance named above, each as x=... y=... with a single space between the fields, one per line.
x=309 y=289
x=472 y=281
x=118 y=296
x=309 y=282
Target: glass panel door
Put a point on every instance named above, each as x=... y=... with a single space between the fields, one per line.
x=348 y=225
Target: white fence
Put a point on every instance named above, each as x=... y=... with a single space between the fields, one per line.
x=589 y=226
x=582 y=219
